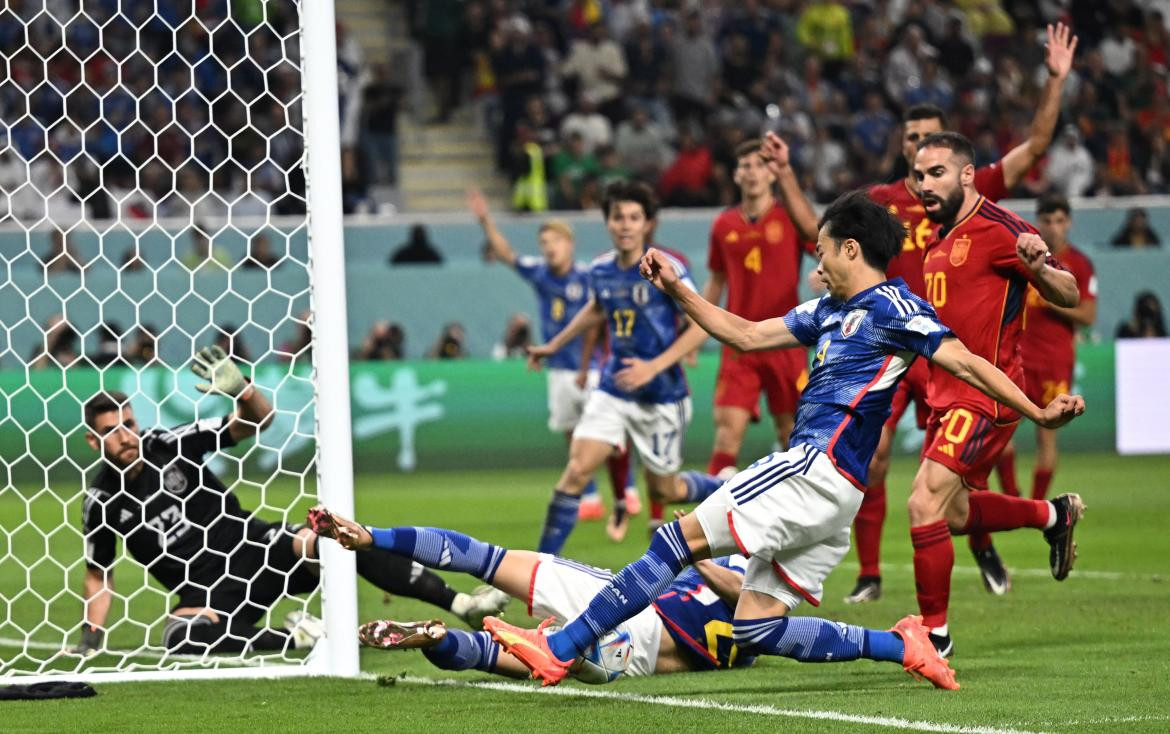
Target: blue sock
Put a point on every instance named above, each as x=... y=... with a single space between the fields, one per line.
x=461 y=650
x=440 y=548
x=590 y=491
x=627 y=593
x=813 y=640
x=559 y=522
x=700 y=486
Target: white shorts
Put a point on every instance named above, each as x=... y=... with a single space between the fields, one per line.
x=566 y=401
x=790 y=514
x=657 y=429
x=563 y=589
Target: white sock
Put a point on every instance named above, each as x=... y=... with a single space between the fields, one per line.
x=1051 y=516
x=461 y=604
x=940 y=631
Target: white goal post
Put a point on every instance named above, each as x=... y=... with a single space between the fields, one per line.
x=169 y=177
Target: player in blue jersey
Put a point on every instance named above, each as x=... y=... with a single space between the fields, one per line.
x=561 y=286
x=790 y=512
x=642 y=392
x=688 y=627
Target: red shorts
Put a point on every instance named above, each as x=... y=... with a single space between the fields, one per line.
x=781 y=374
x=912 y=388
x=1043 y=385
x=967 y=442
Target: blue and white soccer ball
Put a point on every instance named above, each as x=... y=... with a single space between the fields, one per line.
x=605 y=661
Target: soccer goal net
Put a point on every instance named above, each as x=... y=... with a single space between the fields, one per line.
x=155 y=200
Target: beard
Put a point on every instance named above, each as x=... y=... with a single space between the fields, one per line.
x=948 y=208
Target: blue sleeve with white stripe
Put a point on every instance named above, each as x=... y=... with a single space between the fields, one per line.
x=909 y=323
x=802 y=321
x=527 y=266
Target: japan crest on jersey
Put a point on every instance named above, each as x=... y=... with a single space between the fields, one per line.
x=852 y=322
x=641 y=293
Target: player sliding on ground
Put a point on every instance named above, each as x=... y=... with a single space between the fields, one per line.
x=687 y=628
x=790 y=512
x=224 y=565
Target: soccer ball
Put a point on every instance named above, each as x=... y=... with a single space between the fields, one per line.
x=605 y=660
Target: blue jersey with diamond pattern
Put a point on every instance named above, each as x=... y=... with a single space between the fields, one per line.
x=699 y=621
x=560 y=298
x=642 y=322
x=863 y=347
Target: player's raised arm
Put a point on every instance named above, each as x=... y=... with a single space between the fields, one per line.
x=1060 y=49
x=589 y=317
x=775 y=152
x=496 y=240
x=977 y=372
x=253 y=411
x=744 y=335
x=1057 y=286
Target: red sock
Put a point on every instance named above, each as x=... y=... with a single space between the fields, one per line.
x=619 y=473
x=1040 y=482
x=934 y=557
x=867 y=528
x=720 y=460
x=991 y=513
x=978 y=540
x=1005 y=469
x=657 y=512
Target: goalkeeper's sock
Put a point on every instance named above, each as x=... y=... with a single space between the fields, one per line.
x=559 y=522
x=399 y=575
x=462 y=650
x=813 y=640
x=699 y=486
x=441 y=548
x=627 y=593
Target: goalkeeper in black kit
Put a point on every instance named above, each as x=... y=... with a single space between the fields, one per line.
x=226 y=566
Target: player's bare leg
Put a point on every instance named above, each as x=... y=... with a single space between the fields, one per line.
x=1047 y=456
x=784 y=423
x=730 y=426
x=867 y=526
x=591 y=507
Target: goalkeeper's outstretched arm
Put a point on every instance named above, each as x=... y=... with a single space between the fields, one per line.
x=253 y=411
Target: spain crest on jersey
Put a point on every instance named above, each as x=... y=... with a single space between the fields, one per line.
x=852 y=322
x=773 y=232
x=959 y=251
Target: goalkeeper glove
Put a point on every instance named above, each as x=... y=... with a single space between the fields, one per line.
x=93 y=638
x=212 y=363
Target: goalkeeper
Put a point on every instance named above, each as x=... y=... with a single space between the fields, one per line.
x=177 y=519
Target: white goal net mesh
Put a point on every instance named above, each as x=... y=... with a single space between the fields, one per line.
x=152 y=203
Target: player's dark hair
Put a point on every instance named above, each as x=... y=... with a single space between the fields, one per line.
x=954 y=142
x=103 y=402
x=1052 y=202
x=634 y=191
x=925 y=112
x=855 y=216
x=747 y=147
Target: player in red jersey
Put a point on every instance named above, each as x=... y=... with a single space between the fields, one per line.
x=1049 y=343
x=902 y=197
x=754 y=255
x=976 y=270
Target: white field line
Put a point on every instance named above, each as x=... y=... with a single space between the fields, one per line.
x=709 y=705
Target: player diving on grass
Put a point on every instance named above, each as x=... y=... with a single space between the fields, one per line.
x=642 y=392
x=224 y=565
x=687 y=627
x=790 y=512
x=562 y=290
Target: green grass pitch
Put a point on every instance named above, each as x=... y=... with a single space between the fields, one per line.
x=1086 y=655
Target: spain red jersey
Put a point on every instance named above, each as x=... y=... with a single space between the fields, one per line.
x=1049 y=338
x=978 y=285
x=905 y=204
x=760 y=259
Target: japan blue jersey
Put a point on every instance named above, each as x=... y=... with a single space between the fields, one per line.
x=642 y=322
x=863 y=347
x=560 y=298
x=700 y=622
